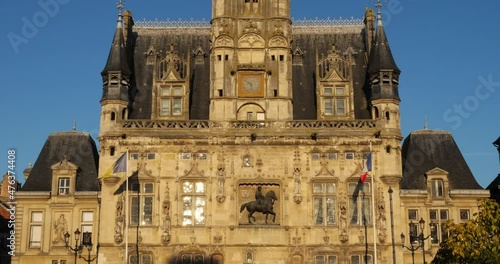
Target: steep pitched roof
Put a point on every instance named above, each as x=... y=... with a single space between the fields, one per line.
x=79 y=149
x=381 y=56
x=425 y=150
x=117 y=58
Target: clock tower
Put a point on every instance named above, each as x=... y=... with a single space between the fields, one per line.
x=251 y=63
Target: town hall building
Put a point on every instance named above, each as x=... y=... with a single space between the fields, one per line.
x=252 y=138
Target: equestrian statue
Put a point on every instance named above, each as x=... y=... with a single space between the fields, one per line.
x=262 y=204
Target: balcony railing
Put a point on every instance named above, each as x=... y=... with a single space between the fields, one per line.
x=205 y=124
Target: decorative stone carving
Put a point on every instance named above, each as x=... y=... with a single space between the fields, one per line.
x=251 y=41
x=199 y=55
x=167 y=221
x=381 y=218
x=224 y=41
x=221 y=180
x=334 y=66
x=119 y=220
x=60 y=228
x=278 y=41
x=297 y=190
x=343 y=236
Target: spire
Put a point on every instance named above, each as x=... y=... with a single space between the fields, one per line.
x=381 y=55
x=379 y=14
x=117 y=58
x=116 y=73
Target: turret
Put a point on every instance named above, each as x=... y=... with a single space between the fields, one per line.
x=383 y=79
x=115 y=78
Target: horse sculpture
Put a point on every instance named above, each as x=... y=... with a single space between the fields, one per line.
x=264 y=206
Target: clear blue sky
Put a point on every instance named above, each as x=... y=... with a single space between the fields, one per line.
x=448 y=51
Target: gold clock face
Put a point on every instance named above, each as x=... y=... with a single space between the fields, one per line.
x=251 y=84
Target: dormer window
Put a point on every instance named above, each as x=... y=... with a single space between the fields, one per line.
x=334 y=100
x=437 y=188
x=171 y=100
x=63 y=186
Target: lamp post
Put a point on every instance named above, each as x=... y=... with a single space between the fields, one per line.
x=78 y=247
x=412 y=248
x=87 y=243
x=421 y=239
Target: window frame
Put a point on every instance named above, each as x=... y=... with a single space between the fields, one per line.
x=141 y=258
x=87 y=226
x=438 y=233
x=63 y=185
x=137 y=199
x=323 y=195
x=356 y=210
x=35 y=223
x=326 y=258
x=460 y=211
x=361 y=259
x=437 y=188
x=174 y=94
x=413 y=226
x=196 y=196
x=334 y=102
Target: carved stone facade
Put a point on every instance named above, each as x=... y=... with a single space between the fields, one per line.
x=244 y=141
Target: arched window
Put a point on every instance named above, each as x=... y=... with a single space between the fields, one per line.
x=124 y=113
x=387 y=115
x=113 y=116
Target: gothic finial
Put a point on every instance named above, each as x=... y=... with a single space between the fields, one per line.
x=74 y=125
x=426 y=126
x=119 y=5
x=379 y=13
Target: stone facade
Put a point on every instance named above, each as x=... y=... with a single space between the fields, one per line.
x=243 y=141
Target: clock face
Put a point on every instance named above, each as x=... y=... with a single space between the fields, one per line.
x=251 y=84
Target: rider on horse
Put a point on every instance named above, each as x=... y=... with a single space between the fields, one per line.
x=258 y=196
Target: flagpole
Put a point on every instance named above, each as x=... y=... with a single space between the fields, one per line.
x=126 y=210
x=373 y=210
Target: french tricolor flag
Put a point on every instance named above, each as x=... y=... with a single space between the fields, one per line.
x=366 y=168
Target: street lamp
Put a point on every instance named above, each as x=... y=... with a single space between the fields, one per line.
x=78 y=247
x=87 y=243
x=421 y=239
x=412 y=248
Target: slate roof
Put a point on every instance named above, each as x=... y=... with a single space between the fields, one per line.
x=425 y=150
x=304 y=76
x=117 y=58
x=141 y=88
x=494 y=188
x=183 y=40
x=79 y=148
x=381 y=56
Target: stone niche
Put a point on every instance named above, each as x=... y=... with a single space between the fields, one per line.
x=270 y=204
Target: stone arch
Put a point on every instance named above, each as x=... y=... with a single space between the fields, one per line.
x=278 y=41
x=224 y=41
x=243 y=112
